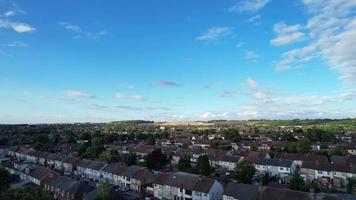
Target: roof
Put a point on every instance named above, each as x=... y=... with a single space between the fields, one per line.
x=91 y=164
x=204 y=185
x=185 y=181
x=241 y=191
x=79 y=189
x=63 y=183
x=41 y=173
x=274 y=162
x=302 y=157
x=113 y=168
x=268 y=193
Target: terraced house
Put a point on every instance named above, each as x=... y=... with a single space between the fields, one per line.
x=184 y=186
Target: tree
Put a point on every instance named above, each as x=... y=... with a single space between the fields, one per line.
x=156 y=159
x=265 y=179
x=97 y=141
x=303 y=145
x=5 y=179
x=25 y=194
x=340 y=150
x=130 y=159
x=254 y=147
x=297 y=182
x=203 y=165
x=292 y=148
x=184 y=163
x=105 y=191
x=82 y=149
x=152 y=140
x=244 y=172
x=108 y=156
x=351 y=185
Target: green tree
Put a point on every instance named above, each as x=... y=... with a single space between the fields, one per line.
x=340 y=150
x=108 y=156
x=5 y=179
x=25 y=194
x=351 y=185
x=203 y=165
x=244 y=172
x=303 y=145
x=130 y=159
x=292 y=148
x=254 y=147
x=184 y=163
x=156 y=159
x=96 y=141
x=105 y=191
x=297 y=182
x=265 y=179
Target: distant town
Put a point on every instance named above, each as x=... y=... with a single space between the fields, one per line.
x=212 y=160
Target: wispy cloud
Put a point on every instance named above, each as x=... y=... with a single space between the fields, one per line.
x=251 y=83
x=215 y=33
x=79 y=94
x=16 y=44
x=18 y=27
x=80 y=33
x=255 y=20
x=248 y=6
x=332 y=32
x=251 y=55
x=214 y=84
x=227 y=94
x=165 y=83
x=287 y=34
x=120 y=95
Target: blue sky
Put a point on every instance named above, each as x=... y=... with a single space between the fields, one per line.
x=97 y=61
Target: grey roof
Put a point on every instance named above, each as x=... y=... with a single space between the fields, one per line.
x=63 y=183
x=241 y=191
x=113 y=168
x=274 y=162
x=185 y=181
x=302 y=157
x=268 y=193
x=132 y=170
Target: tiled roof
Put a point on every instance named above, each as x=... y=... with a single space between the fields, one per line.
x=241 y=191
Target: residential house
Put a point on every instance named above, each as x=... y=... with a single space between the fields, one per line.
x=64 y=188
x=135 y=177
x=239 y=191
x=90 y=169
x=184 y=186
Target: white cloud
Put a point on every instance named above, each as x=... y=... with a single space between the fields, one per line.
x=120 y=95
x=9 y=13
x=164 y=83
x=215 y=33
x=79 y=94
x=332 y=32
x=16 y=26
x=210 y=115
x=261 y=96
x=249 y=6
x=287 y=34
x=251 y=55
x=16 y=44
x=240 y=44
x=255 y=20
x=251 y=83
x=80 y=33
x=226 y=94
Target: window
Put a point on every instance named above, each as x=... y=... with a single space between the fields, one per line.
x=281 y=168
x=188 y=192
